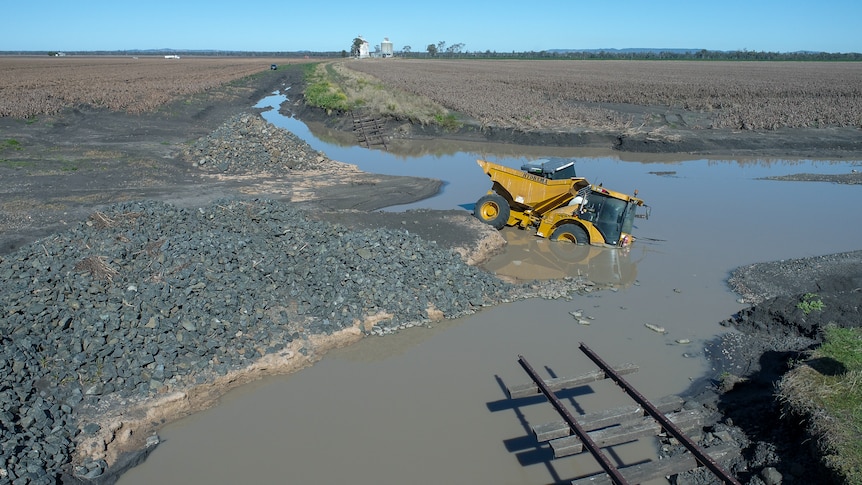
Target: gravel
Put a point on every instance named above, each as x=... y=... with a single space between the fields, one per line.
x=246 y=143
x=826 y=273
x=145 y=297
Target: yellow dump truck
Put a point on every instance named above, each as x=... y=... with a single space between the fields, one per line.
x=547 y=195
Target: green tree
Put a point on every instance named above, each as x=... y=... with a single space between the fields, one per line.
x=455 y=48
x=432 y=50
x=357 y=44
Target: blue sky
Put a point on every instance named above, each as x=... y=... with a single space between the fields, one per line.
x=501 y=26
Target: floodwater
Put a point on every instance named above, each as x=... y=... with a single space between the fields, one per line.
x=427 y=405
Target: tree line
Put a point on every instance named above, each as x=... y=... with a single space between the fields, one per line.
x=698 y=55
x=458 y=50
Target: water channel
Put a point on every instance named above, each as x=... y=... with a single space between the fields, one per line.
x=426 y=405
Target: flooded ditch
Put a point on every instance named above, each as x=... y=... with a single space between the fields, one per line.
x=426 y=405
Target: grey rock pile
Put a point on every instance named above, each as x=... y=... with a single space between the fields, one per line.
x=145 y=296
x=247 y=143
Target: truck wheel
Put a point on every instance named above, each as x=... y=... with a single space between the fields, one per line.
x=571 y=232
x=493 y=210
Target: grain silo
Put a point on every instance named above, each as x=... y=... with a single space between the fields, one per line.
x=386 y=47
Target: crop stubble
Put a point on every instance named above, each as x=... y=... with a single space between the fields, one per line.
x=571 y=94
x=521 y=94
x=31 y=86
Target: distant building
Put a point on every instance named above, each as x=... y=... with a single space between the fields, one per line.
x=363 y=49
x=386 y=48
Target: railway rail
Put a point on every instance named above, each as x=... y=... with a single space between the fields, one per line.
x=594 y=431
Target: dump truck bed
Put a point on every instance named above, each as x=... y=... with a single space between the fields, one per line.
x=530 y=190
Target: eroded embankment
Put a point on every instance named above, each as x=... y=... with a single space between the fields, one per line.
x=750 y=364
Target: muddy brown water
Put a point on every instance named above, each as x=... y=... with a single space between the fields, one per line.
x=427 y=406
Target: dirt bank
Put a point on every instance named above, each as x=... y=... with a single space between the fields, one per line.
x=660 y=137
x=772 y=333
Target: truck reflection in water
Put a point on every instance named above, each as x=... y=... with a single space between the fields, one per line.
x=528 y=257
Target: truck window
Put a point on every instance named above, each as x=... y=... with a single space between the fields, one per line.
x=609 y=215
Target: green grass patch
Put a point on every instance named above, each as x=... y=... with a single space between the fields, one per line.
x=322 y=91
x=326 y=95
x=10 y=144
x=4 y=162
x=827 y=388
x=448 y=121
x=327 y=82
x=810 y=302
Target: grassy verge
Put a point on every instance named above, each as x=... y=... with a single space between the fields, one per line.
x=334 y=87
x=322 y=90
x=827 y=389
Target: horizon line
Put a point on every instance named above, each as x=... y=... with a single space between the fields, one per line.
x=556 y=49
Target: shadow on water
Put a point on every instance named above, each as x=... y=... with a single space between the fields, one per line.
x=526 y=449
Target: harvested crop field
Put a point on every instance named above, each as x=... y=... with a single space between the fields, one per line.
x=31 y=86
x=602 y=94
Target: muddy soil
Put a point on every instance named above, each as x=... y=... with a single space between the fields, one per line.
x=67 y=166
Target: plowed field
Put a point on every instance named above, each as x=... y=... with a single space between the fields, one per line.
x=601 y=94
x=31 y=86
